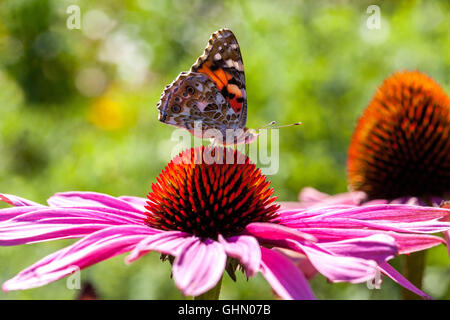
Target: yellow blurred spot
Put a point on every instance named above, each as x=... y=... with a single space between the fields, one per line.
x=107 y=114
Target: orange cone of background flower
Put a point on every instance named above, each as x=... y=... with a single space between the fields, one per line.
x=401 y=145
x=399 y=152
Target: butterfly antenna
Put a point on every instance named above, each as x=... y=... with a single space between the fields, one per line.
x=271 y=123
x=287 y=125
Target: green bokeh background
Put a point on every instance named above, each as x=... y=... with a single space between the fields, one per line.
x=310 y=61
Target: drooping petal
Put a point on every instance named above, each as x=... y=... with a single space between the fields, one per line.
x=199 y=266
x=339 y=268
x=168 y=242
x=406 y=242
x=246 y=249
x=378 y=247
x=80 y=198
x=50 y=223
x=388 y=270
x=284 y=277
x=395 y=213
x=17 y=201
x=96 y=247
x=300 y=260
x=380 y=212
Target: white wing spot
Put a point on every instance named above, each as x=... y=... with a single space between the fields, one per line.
x=217 y=56
x=230 y=63
x=238 y=66
x=220 y=99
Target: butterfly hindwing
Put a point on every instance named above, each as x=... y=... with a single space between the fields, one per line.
x=222 y=63
x=192 y=97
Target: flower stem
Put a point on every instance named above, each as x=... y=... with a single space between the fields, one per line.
x=413 y=269
x=212 y=294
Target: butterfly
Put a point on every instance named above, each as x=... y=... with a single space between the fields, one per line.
x=212 y=94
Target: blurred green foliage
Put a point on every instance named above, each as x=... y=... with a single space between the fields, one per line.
x=77 y=107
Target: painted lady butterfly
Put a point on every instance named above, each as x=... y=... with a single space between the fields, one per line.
x=211 y=93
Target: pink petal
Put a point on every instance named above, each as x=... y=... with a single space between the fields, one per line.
x=246 y=249
x=167 y=242
x=391 y=212
x=284 y=277
x=107 y=215
x=339 y=268
x=447 y=233
x=297 y=214
x=300 y=260
x=379 y=248
x=291 y=205
x=17 y=201
x=137 y=202
x=80 y=198
x=406 y=242
x=199 y=266
x=48 y=223
x=388 y=270
x=311 y=197
x=39 y=233
x=271 y=231
x=10 y=213
x=428 y=226
x=96 y=247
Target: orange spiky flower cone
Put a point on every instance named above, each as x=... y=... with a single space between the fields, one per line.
x=401 y=148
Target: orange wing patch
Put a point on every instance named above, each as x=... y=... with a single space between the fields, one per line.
x=221 y=78
x=237 y=96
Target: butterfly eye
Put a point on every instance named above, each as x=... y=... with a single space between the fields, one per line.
x=190 y=90
x=175 y=108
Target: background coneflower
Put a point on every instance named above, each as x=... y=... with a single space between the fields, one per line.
x=399 y=152
x=401 y=145
x=401 y=148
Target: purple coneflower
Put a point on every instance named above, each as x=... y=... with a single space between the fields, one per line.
x=400 y=149
x=207 y=218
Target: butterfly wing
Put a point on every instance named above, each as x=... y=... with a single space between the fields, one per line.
x=193 y=97
x=222 y=63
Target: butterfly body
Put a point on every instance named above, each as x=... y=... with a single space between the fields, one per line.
x=212 y=94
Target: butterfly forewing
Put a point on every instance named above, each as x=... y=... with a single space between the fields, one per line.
x=212 y=92
x=222 y=63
